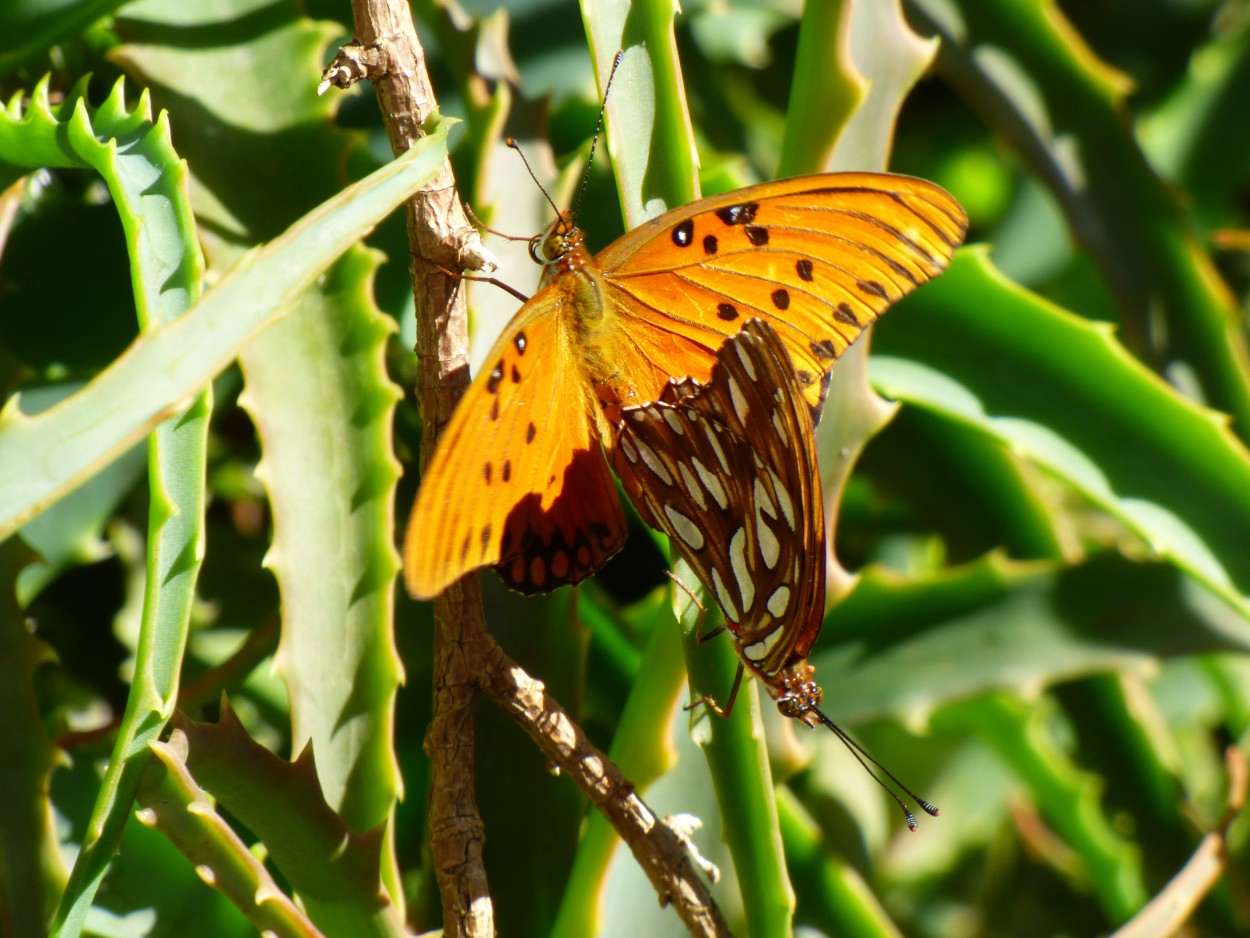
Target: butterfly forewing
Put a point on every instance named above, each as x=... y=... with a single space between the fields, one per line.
x=728 y=471
x=515 y=485
x=819 y=257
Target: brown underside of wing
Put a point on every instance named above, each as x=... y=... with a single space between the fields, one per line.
x=728 y=471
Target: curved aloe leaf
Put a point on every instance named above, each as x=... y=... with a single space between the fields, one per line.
x=1031 y=74
x=52 y=451
x=148 y=183
x=48 y=454
x=1063 y=393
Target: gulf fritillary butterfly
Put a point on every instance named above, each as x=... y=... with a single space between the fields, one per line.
x=728 y=471
x=519 y=480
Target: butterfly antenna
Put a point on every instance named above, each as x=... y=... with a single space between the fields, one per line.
x=512 y=144
x=862 y=754
x=594 y=141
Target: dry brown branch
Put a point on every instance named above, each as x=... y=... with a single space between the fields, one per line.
x=390 y=56
x=658 y=849
x=465 y=655
x=1168 y=912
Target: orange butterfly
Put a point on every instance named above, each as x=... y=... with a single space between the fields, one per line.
x=519 y=480
x=728 y=471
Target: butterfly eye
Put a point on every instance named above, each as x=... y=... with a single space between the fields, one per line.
x=555 y=244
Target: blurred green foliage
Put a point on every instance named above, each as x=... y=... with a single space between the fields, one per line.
x=1048 y=628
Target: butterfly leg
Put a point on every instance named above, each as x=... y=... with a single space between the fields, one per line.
x=491 y=280
x=700 y=637
x=698 y=630
x=478 y=223
x=729 y=705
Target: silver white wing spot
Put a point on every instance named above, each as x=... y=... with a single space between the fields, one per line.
x=722 y=596
x=779 y=601
x=741 y=408
x=692 y=486
x=653 y=463
x=710 y=482
x=686 y=529
x=628 y=449
x=762 y=500
x=747 y=365
x=716 y=447
x=770 y=547
x=741 y=570
x=758 y=651
x=780 y=426
x=787 y=507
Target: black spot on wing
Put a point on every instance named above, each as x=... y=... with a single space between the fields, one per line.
x=742 y=214
x=601 y=532
x=817 y=409
x=757 y=235
x=873 y=288
x=824 y=350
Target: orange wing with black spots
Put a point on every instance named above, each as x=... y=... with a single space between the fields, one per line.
x=512 y=484
x=818 y=257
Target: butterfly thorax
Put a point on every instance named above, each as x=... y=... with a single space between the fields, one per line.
x=577 y=288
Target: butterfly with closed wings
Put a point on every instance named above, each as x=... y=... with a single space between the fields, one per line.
x=727 y=469
x=519 y=480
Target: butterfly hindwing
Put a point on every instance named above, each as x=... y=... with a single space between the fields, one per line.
x=728 y=471
x=518 y=480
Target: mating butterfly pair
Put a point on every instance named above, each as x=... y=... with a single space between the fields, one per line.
x=519 y=480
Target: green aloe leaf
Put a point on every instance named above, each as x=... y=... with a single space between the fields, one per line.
x=1064 y=394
